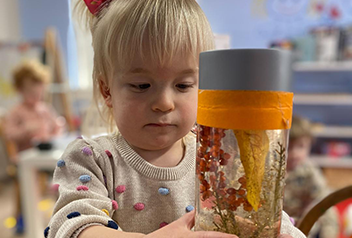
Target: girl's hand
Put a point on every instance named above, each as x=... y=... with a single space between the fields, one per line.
x=182 y=228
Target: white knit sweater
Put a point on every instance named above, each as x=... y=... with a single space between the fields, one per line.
x=105 y=182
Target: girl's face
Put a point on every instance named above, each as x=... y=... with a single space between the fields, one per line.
x=32 y=92
x=154 y=106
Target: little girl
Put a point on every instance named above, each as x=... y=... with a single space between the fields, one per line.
x=142 y=177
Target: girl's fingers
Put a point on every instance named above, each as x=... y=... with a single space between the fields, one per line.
x=188 y=221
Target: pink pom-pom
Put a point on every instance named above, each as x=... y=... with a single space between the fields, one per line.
x=108 y=153
x=163 y=224
x=139 y=206
x=120 y=189
x=82 y=188
x=55 y=187
x=292 y=220
x=87 y=151
x=115 y=206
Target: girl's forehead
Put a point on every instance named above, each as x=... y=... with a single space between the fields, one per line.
x=147 y=63
x=176 y=62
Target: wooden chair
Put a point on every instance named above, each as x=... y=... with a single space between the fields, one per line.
x=318 y=209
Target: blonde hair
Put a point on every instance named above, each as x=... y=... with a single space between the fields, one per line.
x=301 y=127
x=155 y=30
x=30 y=70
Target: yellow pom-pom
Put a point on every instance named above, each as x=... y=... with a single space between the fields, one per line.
x=106 y=211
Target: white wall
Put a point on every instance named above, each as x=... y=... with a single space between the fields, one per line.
x=10 y=29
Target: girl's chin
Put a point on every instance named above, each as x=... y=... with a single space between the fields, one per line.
x=158 y=143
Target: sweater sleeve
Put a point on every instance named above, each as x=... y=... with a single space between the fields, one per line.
x=84 y=175
x=288 y=228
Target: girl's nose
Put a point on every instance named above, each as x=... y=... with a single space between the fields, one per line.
x=163 y=102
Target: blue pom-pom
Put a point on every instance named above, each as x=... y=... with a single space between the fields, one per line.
x=73 y=214
x=113 y=225
x=61 y=163
x=164 y=191
x=85 y=178
x=189 y=208
x=46 y=232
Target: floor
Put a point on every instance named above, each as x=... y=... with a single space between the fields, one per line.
x=7 y=208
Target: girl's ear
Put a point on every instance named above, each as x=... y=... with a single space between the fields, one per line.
x=105 y=91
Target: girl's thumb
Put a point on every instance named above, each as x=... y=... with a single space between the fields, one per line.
x=188 y=219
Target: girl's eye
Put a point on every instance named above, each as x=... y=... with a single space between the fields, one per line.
x=184 y=87
x=140 y=87
x=143 y=86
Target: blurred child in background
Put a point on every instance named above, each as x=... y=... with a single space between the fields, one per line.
x=305 y=182
x=32 y=121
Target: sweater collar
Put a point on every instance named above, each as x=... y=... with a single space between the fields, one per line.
x=132 y=158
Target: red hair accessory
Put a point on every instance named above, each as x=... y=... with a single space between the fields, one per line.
x=94 y=6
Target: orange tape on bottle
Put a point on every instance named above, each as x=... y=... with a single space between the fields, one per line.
x=245 y=110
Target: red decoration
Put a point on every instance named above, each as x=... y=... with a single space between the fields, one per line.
x=319 y=7
x=335 y=12
x=94 y=6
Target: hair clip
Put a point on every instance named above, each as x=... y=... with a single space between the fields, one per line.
x=94 y=6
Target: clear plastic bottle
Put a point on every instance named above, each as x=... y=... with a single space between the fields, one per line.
x=242 y=139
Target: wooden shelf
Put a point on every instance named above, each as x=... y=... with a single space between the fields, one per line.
x=323 y=99
x=333 y=131
x=322 y=66
x=326 y=161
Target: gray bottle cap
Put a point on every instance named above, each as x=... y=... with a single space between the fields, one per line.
x=245 y=69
